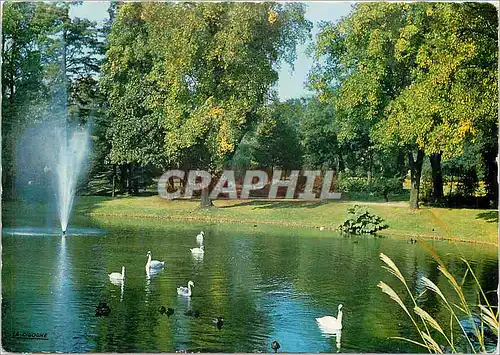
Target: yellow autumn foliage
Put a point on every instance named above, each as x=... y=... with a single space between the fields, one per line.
x=225 y=145
x=272 y=16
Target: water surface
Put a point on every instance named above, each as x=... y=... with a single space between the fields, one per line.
x=266 y=282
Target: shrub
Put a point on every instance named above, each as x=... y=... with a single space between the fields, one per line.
x=379 y=186
x=360 y=221
x=384 y=186
x=354 y=184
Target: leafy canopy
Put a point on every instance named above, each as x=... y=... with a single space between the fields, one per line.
x=204 y=71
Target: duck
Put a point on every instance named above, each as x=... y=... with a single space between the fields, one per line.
x=219 y=322
x=116 y=276
x=329 y=323
x=102 y=310
x=185 y=291
x=275 y=346
x=153 y=264
x=198 y=251
x=199 y=237
x=165 y=311
x=162 y=309
x=191 y=313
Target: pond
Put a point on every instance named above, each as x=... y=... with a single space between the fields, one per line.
x=266 y=282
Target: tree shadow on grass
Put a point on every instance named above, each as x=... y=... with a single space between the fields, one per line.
x=490 y=216
x=277 y=204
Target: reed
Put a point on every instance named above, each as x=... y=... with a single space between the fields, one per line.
x=436 y=337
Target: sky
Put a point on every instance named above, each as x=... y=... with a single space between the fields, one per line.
x=290 y=83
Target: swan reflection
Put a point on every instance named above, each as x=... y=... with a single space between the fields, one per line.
x=150 y=273
x=197 y=256
x=328 y=333
x=120 y=283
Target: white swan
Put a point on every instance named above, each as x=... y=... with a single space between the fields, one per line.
x=153 y=264
x=199 y=238
x=198 y=251
x=185 y=291
x=331 y=324
x=116 y=276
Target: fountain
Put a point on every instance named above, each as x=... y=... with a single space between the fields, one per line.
x=51 y=157
x=61 y=147
x=70 y=162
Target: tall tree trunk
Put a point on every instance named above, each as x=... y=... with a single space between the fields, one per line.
x=416 y=173
x=400 y=163
x=205 y=198
x=129 y=179
x=490 y=155
x=12 y=71
x=123 y=178
x=369 y=175
x=437 y=177
x=341 y=167
x=135 y=181
x=114 y=181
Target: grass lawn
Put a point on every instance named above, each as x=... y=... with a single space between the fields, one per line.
x=468 y=225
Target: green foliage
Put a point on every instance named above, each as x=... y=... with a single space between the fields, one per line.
x=277 y=136
x=383 y=186
x=354 y=184
x=135 y=134
x=417 y=76
x=34 y=88
x=361 y=221
x=378 y=186
x=319 y=137
x=187 y=81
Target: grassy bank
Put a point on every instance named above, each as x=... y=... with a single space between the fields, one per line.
x=466 y=225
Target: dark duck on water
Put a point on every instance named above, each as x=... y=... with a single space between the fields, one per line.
x=168 y=311
x=219 y=322
x=102 y=310
x=275 y=346
x=191 y=313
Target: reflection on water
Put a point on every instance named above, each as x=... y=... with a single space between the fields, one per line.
x=267 y=284
x=337 y=334
x=198 y=256
x=52 y=231
x=150 y=273
x=120 y=283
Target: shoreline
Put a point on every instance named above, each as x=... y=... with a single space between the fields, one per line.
x=473 y=226
x=387 y=233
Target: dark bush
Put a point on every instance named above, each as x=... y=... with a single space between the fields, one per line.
x=360 y=221
x=380 y=186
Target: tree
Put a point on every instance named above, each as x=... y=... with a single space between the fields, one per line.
x=135 y=135
x=407 y=76
x=277 y=136
x=446 y=105
x=25 y=29
x=50 y=65
x=319 y=133
x=195 y=76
